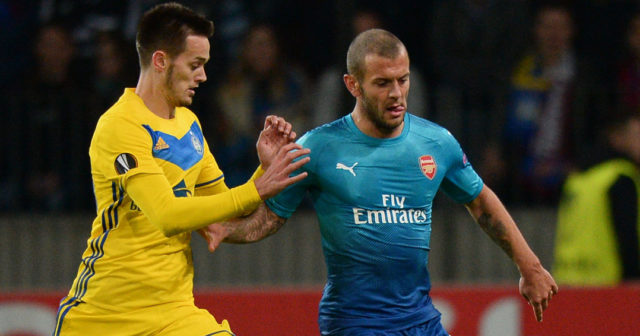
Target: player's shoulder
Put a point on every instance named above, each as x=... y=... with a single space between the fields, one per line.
x=122 y=119
x=186 y=113
x=325 y=134
x=118 y=117
x=421 y=127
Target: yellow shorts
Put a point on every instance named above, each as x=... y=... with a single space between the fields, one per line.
x=164 y=320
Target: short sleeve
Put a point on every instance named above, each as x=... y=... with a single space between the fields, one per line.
x=286 y=202
x=461 y=181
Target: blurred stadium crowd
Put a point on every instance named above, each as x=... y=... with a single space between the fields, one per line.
x=524 y=87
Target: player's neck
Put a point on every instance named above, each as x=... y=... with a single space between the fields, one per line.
x=152 y=94
x=369 y=127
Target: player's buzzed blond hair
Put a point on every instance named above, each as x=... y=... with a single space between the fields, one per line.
x=373 y=41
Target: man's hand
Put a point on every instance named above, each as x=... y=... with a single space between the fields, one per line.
x=536 y=284
x=214 y=234
x=538 y=287
x=242 y=230
x=276 y=175
x=277 y=132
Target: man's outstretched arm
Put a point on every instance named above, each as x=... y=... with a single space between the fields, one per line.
x=276 y=135
x=258 y=225
x=536 y=284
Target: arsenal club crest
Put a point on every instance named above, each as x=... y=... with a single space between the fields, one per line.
x=428 y=166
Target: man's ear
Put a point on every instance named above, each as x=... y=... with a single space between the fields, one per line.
x=352 y=85
x=160 y=61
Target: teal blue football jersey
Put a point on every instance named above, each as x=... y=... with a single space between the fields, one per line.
x=373 y=198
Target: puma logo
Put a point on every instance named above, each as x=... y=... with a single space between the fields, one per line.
x=344 y=167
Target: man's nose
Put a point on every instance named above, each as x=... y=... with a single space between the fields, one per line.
x=201 y=76
x=395 y=92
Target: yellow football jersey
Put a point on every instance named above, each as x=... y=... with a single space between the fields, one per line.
x=131 y=262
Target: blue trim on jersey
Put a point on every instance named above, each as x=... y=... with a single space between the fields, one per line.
x=209 y=182
x=97 y=252
x=221 y=331
x=118 y=203
x=180 y=190
x=184 y=152
x=118 y=196
x=109 y=221
x=83 y=280
x=61 y=314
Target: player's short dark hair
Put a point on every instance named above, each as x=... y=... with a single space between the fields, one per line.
x=373 y=41
x=166 y=27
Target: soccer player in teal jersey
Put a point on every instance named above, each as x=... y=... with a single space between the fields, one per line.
x=372 y=178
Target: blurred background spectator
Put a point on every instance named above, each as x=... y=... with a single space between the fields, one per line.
x=114 y=66
x=260 y=83
x=553 y=108
x=46 y=165
x=599 y=208
x=472 y=54
x=628 y=72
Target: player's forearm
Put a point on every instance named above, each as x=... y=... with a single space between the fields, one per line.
x=493 y=218
x=260 y=224
x=173 y=215
x=219 y=188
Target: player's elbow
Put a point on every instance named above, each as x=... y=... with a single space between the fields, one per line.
x=165 y=222
x=168 y=230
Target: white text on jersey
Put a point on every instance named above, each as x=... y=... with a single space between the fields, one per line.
x=395 y=200
x=390 y=216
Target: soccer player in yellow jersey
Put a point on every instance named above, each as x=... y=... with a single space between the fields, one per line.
x=155 y=182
